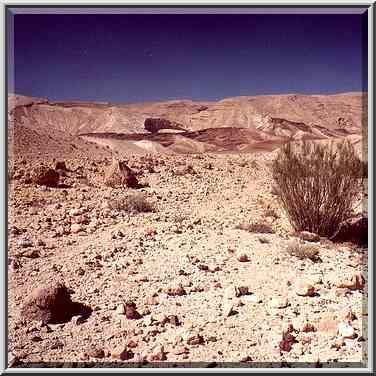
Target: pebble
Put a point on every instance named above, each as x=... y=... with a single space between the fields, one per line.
x=96 y=352
x=25 y=243
x=245 y=358
x=308 y=327
x=193 y=338
x=157 y=354
x=176 y=291
x=338 y=343
x=75 y=228
x=309 y=236
x=345 y=330
x=252 y=298
x=242 y=257
x=228 y=310
x=78 y=320
x=120 y=309
x=12 y=360
x=279 y=302
x=305 y=289
x=121 y=352
x=131 y=311
x=33 y=253
x=180 y=350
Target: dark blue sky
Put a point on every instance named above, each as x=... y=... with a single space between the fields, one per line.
x=136 y=58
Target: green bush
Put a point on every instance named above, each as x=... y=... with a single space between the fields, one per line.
x=317 y=184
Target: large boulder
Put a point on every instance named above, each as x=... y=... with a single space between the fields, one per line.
x=353 y=230
x=153 y=125
x=60 y=165
x=42 y=175
x=52 y=304
x=119 y=174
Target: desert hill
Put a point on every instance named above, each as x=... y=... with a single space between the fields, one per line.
x=238 y=124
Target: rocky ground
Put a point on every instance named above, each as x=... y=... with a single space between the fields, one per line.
x=205 y=291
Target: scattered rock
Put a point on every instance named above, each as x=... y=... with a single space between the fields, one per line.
x=241 y=290
x=305 y=289
x=287 y=341
x=176 y=291
x=157 y=354
x=173 y=320
x=338 y=343
x=308 y=327
x=252 y=298
x=180 y=350
x=119 y=174
x=242 y=257
x=33 y=253
x=193 y=338
x=139 y=358
x=24 y=243
x=353 y=230
x=15 y=264
x=345 y=330
x=279 y=302
x=77 y=320
x=328 y=323
x=121 y=352
x=356 y=282
x=13 y=360
x=309 y=236
x=95 y=352
x=228 y=310
x=76 y=228
x=203 y=267
x=120 y=309
x=131 y=311
x=60 y=165
x=52 y=305
x=245 y=358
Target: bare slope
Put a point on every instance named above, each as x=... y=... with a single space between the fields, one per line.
x=265 y=120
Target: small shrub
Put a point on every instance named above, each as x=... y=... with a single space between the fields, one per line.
x=188 y=169
x=256 y=227
x=134 y=203
x=180 y=218
x=270 y=212
x=303 y=251
x=317 y=185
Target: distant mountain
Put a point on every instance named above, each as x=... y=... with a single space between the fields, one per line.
x=267 y=118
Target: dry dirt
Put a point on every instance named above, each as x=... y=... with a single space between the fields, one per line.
x=209 y=294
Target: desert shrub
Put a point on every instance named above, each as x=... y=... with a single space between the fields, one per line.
x=134 y=203
x=185 y=170
x=317 y=185
x=270 y=212
x=303 y=251
x=138 y=203
x=257 y=227
x=180 y=218
x=274 y=190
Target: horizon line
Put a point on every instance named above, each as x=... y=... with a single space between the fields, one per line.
x=57 y=101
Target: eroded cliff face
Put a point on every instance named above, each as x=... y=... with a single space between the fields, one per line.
x=154 y=125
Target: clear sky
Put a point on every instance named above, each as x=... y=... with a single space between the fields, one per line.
x=138 y=58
